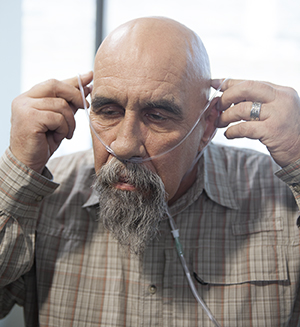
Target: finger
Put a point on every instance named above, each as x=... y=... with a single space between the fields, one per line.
x=57 y=89
x=85 y=80
x=249 y=129
x=235 y=91
x=50 y=121
x=239 y=112
x=58 y=126
x=57 y=105
x=216 y=83
x=67 y=90
x=232 y=82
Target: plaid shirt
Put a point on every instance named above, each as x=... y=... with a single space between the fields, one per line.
x=238 y=228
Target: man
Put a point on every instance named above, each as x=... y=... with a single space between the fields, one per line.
x=74 y=255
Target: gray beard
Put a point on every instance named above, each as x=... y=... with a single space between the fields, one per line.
x=132 y=217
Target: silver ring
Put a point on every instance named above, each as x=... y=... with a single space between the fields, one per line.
x=255 y=111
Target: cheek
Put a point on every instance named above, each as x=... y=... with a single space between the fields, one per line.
x=101 y=156
x=177 y=168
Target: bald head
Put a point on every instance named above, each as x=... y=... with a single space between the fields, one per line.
x=147 y=44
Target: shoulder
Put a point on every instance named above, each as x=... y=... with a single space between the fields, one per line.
x=237 y=154
x=233 y=160
x=246 y=172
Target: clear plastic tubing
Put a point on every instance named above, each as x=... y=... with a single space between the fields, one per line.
x=174 y=230
x=175 y=233
x=141 y=160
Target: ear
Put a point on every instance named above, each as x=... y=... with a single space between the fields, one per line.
x=210 y=119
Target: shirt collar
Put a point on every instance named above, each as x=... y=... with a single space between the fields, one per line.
x=92 y=200
x=216 y=177
x=211 y=177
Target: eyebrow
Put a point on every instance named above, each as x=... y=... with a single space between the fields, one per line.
x=99 y=101
x=167 y=105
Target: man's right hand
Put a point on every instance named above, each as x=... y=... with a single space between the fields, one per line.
x=43 y=117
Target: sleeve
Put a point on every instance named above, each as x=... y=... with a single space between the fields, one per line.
x=291 y=176
x=21 y=193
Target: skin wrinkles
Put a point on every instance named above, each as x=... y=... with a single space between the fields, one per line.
x=147 y=63
x=168 y=106
x=167 y=102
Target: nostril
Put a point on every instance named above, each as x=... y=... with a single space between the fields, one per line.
x=135 y=159
x=109 y=149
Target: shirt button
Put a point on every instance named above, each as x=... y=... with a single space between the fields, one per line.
x=39 y=198
x=296 y=187
x=152 y=289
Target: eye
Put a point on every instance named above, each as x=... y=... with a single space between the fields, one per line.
x=160 y=120
x=108 y=115
x=156 y=116
x=110 y=112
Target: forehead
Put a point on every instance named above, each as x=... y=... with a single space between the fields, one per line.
x=143 y=80
x=153 y=58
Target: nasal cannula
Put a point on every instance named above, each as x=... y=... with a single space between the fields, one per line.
x=138 y=159
x=174 y=230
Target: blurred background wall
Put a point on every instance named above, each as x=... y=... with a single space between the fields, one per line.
x=41 y=39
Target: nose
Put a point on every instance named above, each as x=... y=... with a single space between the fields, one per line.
x=128 y=142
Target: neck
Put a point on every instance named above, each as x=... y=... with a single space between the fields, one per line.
x=187 y=181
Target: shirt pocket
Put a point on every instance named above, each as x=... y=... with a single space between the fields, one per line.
x=250 y=254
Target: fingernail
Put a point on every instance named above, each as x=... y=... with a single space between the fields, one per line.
x=215 y=83
x=84 y=75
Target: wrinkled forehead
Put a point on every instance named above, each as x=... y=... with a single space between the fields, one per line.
x=142 y=67
x=153 y=49
x=141 y=58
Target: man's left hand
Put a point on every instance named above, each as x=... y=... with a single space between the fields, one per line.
x=278 y=121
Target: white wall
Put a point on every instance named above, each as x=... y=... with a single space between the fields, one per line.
x=57 y=44
x=245 y=39
x=10 y=81
x=249 y=39
x=10 y=63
